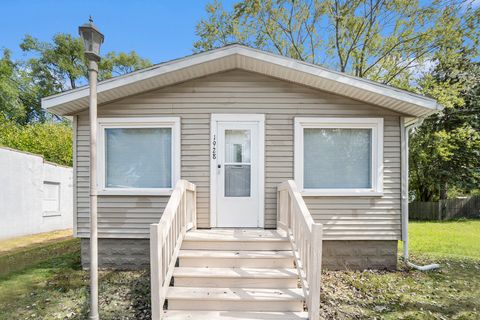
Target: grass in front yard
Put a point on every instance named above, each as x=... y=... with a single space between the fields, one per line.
x=452 y=292
x=18 y=243
x=58 y=288
x=446 y=239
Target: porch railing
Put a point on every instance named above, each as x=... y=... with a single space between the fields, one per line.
x=306 y=238
x=166 y=239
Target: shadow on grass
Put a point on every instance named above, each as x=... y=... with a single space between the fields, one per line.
x=35 y=255
x=122 y=295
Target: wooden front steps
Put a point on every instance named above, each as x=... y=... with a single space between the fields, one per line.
x=235 y=277
x=236 y=239
x=235 y=274
x=234 y=315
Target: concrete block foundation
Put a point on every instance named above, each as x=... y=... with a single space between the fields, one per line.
x=360 y=254
x=133 y=254
x=119 y=254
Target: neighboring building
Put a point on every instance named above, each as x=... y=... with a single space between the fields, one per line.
x=35 y=196
x=237 y=122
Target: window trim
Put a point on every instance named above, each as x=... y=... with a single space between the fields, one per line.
x=136 y=122
x=375 y=124
x=54 y=213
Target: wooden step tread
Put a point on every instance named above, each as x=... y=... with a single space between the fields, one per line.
x=234 y=294
x=249 y=273
x=233 y=315
x=248 y=254
x=243 y=235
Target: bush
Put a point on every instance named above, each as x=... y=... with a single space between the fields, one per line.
x=52 y=140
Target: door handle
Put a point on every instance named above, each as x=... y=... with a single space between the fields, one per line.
x=219 y=166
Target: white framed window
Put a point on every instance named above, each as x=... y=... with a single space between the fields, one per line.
x=51 y=198
x=339 y=156
x=138 y=156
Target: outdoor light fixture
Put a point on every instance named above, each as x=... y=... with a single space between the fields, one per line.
x=93 y=39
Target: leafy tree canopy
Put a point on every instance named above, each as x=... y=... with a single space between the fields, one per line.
x=53 y=67
x=52 y=140
x=445 y=150
x=10 y=102
x=383 y=40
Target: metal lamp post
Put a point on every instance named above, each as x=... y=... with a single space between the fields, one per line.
x=93 y=39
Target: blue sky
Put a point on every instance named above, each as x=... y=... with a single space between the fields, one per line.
x=158 y=30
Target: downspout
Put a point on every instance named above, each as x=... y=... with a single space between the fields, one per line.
x=404 y=136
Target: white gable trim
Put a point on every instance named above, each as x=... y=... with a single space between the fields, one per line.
x=241 y=57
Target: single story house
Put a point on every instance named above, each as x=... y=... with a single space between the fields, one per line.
x=264 y=142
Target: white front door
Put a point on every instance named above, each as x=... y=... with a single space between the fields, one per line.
x=238 y=173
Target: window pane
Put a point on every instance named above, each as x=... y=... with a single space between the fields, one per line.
x=337 y=158
x=237 y=146
x=138 y=158
x=237 y=180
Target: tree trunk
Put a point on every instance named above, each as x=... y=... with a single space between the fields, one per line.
x=443 y=190
x=441 y=201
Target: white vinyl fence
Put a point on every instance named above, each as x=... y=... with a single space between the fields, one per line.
x=35 y=196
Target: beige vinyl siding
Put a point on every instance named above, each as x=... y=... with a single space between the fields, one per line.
x=244 y=92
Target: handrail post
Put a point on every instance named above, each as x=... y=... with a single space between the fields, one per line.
x=156 y=272
x=316 y=271
x=194 y=208
x=279 y=206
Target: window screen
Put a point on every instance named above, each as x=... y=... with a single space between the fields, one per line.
x=337 y=158
x=138 y=157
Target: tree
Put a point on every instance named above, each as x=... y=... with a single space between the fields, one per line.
x=60 y=65
x=18 y=95
x=445 y=150
x=57 y=66
x=10 y=104
x=54 y=67
x=52 y=140
x=113 y=64
x=382 y=40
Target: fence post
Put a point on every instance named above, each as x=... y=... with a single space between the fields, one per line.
x=440 y=210
x=316 y=272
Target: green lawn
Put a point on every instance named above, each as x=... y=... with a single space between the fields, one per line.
x=57 y=288
x=446 y=239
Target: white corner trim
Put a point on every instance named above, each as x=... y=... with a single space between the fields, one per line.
x=255 y=118
x=138 y=122
x=74 y=177
x=404 y=131
x=377 y=127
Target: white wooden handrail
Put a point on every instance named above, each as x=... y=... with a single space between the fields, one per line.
x=166 y=238
x=306 y=238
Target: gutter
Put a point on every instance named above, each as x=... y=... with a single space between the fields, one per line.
x=404 y=133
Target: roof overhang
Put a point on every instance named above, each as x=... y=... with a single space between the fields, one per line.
x=249 y=59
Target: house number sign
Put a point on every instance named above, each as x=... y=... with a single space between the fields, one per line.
x=214 y=148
